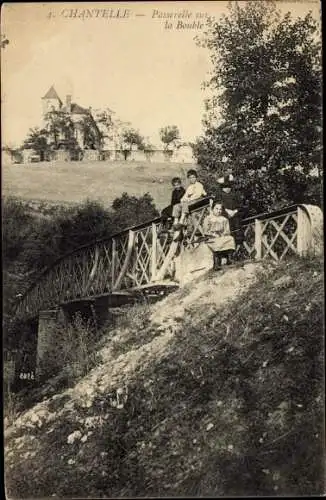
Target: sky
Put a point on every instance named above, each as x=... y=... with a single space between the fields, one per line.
x=149 y=72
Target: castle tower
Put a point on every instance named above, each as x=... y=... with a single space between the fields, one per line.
x=51 y=101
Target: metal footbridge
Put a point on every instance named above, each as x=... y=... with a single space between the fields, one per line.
x=140 y=258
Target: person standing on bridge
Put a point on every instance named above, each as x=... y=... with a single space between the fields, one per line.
x=218 y=236
x=232 y=203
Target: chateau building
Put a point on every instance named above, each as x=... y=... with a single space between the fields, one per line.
x=78 y=133
x=81 y=124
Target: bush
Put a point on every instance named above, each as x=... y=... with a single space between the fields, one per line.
x=130 y=211
x=36 y=243
x=66 y=230
x=17 y=222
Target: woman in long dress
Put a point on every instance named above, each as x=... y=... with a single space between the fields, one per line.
x=219 y=239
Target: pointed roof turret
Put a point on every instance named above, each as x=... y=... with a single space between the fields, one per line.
x=52 y=94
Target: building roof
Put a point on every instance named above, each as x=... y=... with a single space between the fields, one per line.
x=76 y=109
x=52 y=94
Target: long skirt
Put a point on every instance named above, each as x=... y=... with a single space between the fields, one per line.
x=221 y=243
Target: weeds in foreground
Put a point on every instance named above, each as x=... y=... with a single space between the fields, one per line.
x=11 y=407
x=72 y=350
x=136 y=315
x=136 y=325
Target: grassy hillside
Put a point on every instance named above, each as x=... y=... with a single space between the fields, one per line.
x=215 y=391
x=68 y=182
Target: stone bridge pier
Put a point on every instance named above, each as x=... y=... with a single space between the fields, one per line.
x=46 y=335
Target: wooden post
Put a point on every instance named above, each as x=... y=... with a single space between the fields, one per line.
x=303 y=232
x=131 y=239
x=113 y=263
x=258 y=239
x=154 y=251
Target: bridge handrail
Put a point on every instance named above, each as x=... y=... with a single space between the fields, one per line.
x=271 y=215
x=200 y=204
x=137 y=227
x=87 y=245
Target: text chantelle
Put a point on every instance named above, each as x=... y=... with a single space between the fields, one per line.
x=96 y=13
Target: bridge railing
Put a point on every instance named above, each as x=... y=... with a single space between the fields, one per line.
x=293 y=230
x=126 y=260
x=140 y=255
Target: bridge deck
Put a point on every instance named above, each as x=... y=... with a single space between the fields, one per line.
x=122 y=296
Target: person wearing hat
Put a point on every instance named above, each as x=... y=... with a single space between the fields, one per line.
x=231 y=202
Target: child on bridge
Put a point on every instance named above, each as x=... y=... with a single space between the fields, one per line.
x=218 y=236
x=194 y=192
x=177 y=194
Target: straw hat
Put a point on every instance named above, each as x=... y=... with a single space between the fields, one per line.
x=226 y=181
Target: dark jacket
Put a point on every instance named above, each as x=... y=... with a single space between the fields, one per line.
x=177 y=194
x=230 y=201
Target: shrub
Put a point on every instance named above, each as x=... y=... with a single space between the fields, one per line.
x=37 y=243
x=130 y=210
x=17 y=222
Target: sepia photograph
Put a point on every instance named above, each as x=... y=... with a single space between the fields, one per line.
x=163 y=249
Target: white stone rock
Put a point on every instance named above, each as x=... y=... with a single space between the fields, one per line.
x=76 y=435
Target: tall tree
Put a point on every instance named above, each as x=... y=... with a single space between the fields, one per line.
x=59 y=127
x=265 y=106
x=131 y=137
x=170 y=136
x=104 y=119
x=93 y=137
x=37 y=140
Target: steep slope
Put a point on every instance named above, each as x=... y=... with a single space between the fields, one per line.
x=218 y=391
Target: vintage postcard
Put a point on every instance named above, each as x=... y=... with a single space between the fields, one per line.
x=162 y=249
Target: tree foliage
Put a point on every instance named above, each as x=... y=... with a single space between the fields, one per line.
x=264 y=111
x=129 y=138
x=34 y=243
x=105 y=124
x=37 y=140
x=130 y=210
x=132 y=137
x=60 y=128
x=170 y=136
x=16 y=224
x=92 y=136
